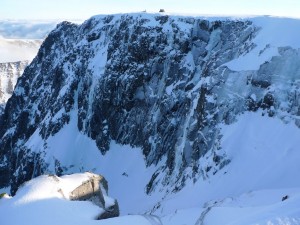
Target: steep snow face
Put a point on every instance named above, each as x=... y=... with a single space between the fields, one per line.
x=263 y=157
x=163 y=84
x=257 y=187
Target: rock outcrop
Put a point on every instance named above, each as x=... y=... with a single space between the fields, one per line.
x=95 y=189
x=91 y=190
x=110 y=211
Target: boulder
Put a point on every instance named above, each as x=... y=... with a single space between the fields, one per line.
x=95 y=189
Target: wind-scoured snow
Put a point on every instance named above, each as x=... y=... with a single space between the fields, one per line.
x=123 y=166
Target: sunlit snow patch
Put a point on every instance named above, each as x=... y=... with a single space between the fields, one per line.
x=274 y=32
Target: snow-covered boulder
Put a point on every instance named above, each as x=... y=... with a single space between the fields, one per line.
x=95 y=189
x=53 y=197
x=91 y=190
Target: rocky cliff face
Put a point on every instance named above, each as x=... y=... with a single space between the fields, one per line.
x=152 y=81
x=9 y=73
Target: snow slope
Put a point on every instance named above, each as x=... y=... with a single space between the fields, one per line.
x=260 y=208
x=264 y=156
x=123 y=166
x=264 y=168
x=275 y=32
x=42 y=201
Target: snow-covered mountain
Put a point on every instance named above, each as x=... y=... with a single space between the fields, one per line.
x=15 y=55
x=9 y=73
x=184 y=112
x=19 y=44
x=20 y=40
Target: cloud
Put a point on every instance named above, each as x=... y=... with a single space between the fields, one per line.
x=26 y=29
x=18 y=50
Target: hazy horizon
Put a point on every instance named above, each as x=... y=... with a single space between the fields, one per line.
x=82 y=10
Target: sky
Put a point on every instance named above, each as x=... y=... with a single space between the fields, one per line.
x=84 y=9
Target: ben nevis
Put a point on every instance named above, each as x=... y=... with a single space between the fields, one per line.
x=154 y=118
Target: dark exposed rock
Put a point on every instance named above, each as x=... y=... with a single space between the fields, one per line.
x=92 y=190
x=110 y=212
x=284 y=198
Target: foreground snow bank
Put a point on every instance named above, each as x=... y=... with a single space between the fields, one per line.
x=265 y=207
x=45 y=200
x=42 y=201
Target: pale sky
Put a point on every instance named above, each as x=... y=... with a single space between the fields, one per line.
x=83 y=9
